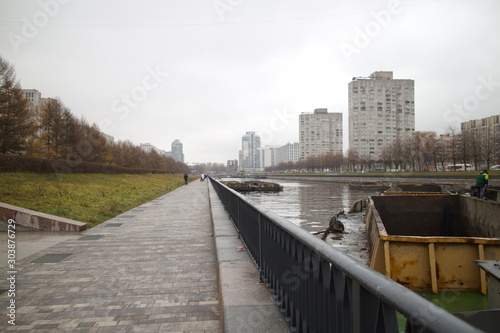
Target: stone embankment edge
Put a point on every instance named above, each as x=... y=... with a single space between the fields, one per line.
x=470 y=180
x=38 y=221
x=245 y=304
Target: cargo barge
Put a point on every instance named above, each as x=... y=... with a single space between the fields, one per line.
x=253 y=186
x=429 y=240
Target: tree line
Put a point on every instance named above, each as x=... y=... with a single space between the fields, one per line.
x=53 y=132
x=424 y=151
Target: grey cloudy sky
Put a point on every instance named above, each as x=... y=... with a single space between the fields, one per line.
x=207 y=71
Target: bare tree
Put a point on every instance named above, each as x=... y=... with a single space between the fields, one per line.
x=472 y=140
x=428 y=143
x=352 y=159
x=488 y=147
x=453 y=144
x=387 y=157
x=464 y=148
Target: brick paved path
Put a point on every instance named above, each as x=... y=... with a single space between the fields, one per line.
x=151 y=269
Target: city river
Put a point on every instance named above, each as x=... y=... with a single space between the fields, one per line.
x=310 y=205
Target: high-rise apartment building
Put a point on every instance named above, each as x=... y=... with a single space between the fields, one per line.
x=320 y=133
x=267 y=156
x=249 y=154
x=486 y=128
x=177 y=152
x=381 y=111
x=287 y=153
x=232 y=166
x=147 y=147
x=485 y=134
x=34 y=98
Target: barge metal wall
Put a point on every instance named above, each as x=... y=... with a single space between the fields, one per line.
x=441 y=257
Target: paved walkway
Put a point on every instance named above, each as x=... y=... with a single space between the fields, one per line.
x=151 y=269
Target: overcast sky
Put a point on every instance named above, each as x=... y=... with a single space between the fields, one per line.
x=207 y=71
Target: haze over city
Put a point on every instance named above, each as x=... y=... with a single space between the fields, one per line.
x=206 y=72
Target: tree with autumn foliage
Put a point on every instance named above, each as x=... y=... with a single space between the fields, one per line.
x=16 y=120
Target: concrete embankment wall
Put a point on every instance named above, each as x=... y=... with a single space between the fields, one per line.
x=33 y=220
x=467 y=179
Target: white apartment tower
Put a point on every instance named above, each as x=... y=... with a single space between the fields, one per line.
x=381 y=112
x=320 y=133
x=287 y=153
x=249 y=155
x=177 y=151
x=34 y=98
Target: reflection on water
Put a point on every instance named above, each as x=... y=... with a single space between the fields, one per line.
x=310 y=205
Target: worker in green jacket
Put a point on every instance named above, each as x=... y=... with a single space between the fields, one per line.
x=481 y=182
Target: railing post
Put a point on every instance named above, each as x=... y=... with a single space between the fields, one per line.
x=259 y=264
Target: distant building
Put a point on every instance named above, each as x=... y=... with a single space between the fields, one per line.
x=287 y=153
x=485 y=135
x=177 y=152
x=232 y=166
x=250 y=144
x=320 y=133
x=34 y=98
x=381 y=111
x=147 y=147
x=267 y=156
x=487 y=128
x=109 y=139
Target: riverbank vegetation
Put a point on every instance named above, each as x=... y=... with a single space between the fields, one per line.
x=427 y=174
x=423 y=151
x=47 y=137
x=89 y=198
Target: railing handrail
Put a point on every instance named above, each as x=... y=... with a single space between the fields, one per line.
x=414 y=307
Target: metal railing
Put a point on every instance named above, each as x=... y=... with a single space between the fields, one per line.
x=320 y=289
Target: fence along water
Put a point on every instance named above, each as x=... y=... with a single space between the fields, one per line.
x=320 y=289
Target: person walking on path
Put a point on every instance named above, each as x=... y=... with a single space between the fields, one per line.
x=481 y=182
x=186 y=178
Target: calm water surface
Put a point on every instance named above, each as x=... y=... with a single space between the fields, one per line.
x=310 y=205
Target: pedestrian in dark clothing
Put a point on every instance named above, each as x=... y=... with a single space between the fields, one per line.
x=481 y=182
x=186 y=178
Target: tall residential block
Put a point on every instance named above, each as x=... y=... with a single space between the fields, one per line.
x=232 y=166
x=267 y=156
x=485 y=134
x=486 y=128
x=320 y=133
x=249 y=154
x=381 y=112
x=287 y=153
x=177 y=151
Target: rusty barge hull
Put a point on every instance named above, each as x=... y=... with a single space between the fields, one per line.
x=253 y=186
x=429 y=242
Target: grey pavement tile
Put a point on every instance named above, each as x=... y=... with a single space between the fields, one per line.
x=51 y=258
x=138 y=272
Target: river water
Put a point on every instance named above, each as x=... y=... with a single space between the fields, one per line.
x=310 y=205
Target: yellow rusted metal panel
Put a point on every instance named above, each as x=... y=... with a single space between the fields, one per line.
x=482 y=273
x=433 y=262
x=410 y=265
x=456 y=267
x=432 y=266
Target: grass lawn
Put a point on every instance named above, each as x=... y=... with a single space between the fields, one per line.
x=89 y=198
